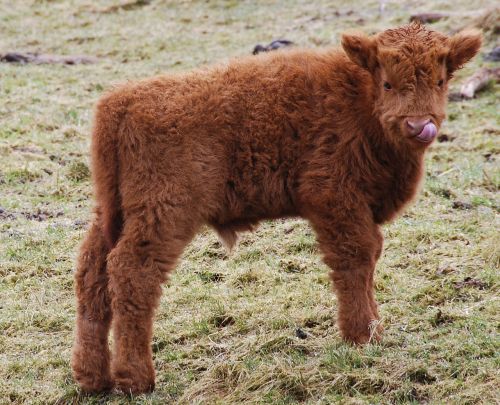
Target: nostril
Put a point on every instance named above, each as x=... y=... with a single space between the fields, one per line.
x=417 y=126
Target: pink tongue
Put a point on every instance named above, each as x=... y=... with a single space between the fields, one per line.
x=428 y=133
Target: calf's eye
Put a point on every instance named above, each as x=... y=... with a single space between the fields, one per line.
x=440 y=83
x=387 y=86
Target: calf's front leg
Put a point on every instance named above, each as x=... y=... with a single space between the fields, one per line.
x=351 y=245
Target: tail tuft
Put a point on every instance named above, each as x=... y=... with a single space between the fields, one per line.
x=229 y=233
x=109 y=115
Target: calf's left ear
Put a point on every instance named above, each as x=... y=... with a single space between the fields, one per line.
x=463 y=46
x=361 y=49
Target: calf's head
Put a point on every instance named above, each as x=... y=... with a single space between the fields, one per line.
x=410 y=67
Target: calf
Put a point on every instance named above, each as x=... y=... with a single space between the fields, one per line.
x=333 y=136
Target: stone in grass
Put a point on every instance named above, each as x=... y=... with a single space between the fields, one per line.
x=273 y=46
x=489 y=157
x=300 y=334
x=445 y=138
x=493 y=55
x=460 y=205
x=470 y=282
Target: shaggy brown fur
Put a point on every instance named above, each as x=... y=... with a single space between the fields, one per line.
x=336 y=137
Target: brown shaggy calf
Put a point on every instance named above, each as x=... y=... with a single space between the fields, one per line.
x=336 y=137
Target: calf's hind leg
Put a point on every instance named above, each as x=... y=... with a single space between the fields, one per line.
x=90 y=360
x=139 y=264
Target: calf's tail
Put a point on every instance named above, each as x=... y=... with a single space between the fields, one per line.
x=110 y=112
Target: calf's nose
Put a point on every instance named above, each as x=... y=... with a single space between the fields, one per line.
x=416 y=125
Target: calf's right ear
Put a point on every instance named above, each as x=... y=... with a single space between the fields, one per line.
x=462 y=47
x=361 y=49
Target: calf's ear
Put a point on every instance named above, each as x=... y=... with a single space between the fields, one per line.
x=463 y=46
x=361 y=49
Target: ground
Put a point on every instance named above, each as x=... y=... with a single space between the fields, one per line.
x=256 y=326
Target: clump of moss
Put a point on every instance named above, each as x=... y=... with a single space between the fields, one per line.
x=78 y=171
x=21 y=176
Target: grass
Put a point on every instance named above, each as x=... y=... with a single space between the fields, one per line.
x=226 y=330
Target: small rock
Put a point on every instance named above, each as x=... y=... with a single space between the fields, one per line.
x=489 y=157
x=470 y=282
x=300 y=334
x=493 y=55
x=460 y=205
x=445 y=138
x=273 y=46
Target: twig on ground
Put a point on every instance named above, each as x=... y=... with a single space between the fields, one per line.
x=478 y=81
x=39 y=59
x=128 y=6
x=426 y=18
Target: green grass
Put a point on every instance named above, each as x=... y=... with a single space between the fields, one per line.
x=226 y=328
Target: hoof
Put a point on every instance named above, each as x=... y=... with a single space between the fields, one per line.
x=92 y=383
x=128 y=386
x=134 y=381
x=91 y=372
x=371 y=333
